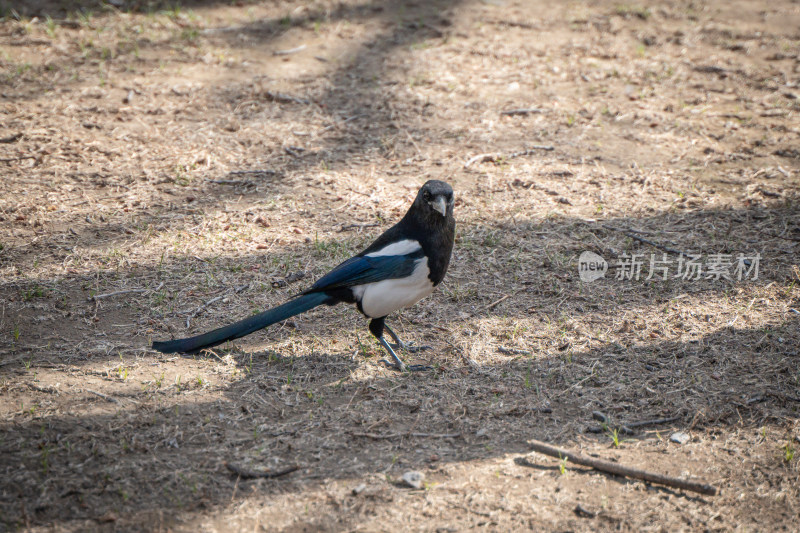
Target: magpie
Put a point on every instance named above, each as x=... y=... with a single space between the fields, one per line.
x=399 y=269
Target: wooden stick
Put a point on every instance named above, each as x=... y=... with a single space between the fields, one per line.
x=521 y=111
x=285 y=98
x=628 y=428
x=126 y=291
x=248 y=473
x=197 y=311
x=655 y=422
x=480 y=158
x=343 y=122
x=483 y=158
x=619 y=470
x=359 y=226
x=497 y=302
x=11 y=138
x=632 y=235
x=103 y=396
x=376 y=436
x=289 y=51
x=20 y=158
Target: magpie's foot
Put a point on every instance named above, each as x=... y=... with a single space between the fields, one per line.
x=406 y=368
x=410 y=348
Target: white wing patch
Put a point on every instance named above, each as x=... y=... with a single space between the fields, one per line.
x=404 y=247
x=385 y=297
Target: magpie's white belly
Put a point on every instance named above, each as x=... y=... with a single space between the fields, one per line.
x=384 y=297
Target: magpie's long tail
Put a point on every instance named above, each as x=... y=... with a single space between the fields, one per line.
x=244 y=327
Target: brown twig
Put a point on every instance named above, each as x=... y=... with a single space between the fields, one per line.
x=521 y=111
x=103 y=396
x=126 y=291
x=483 y=158
x=285 y=98
x=115 y=293
x=620 y=470
x=20 y=158
x=213 y=300
x=336 y=125
x=628 y=428
x=11 y=138
x=496 y=302
x=248 y=473
x=358 y=226
x=654 y=422
x=289 y=51
x=632 y=235
x=377 y=436
x=583 y=512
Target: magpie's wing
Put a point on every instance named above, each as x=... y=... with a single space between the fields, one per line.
x=360 y=270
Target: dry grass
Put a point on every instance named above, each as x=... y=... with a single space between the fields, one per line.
x=165 y=172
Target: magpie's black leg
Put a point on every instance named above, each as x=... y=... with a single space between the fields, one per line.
x=376 y=327
x=410 y=348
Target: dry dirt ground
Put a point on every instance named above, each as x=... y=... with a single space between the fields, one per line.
x=169 y=168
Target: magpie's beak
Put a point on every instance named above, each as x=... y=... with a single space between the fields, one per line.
x=440 y=205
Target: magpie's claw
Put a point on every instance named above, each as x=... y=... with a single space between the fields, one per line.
x=410 y=348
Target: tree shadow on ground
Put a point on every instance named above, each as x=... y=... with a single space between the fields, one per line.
x=315 y=411
x=275 y=408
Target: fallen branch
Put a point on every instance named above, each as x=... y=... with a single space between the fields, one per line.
x=213 y=300
x=343 y=122
x=20 y=158
x=285 y=98
x=627 y=428
x=231 y=182
x=249 y=172
x=289 y=51
x=521 y=111
x=359 y=226
x=249 y=474
x=11 y=138
x=497 y=302
x=619 y=470
x=483 y=158
x=103 y=396
x=126 y=291
x=632 y=235
x=512 y=351
x=115 y=293
x=583 y=512
x=654 y=422
x=376 y=436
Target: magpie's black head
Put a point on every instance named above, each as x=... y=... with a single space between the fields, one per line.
x=435 y=200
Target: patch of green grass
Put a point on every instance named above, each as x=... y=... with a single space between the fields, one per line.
x=614 y=434
x=788 y=452
x=50 y=27
x=44 y=459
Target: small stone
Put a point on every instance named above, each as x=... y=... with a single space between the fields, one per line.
x=680 y=437
x=414 y=479
x=358 y=490
x=481 y=432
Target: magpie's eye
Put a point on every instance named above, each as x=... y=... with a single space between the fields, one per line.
x=426 y=195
